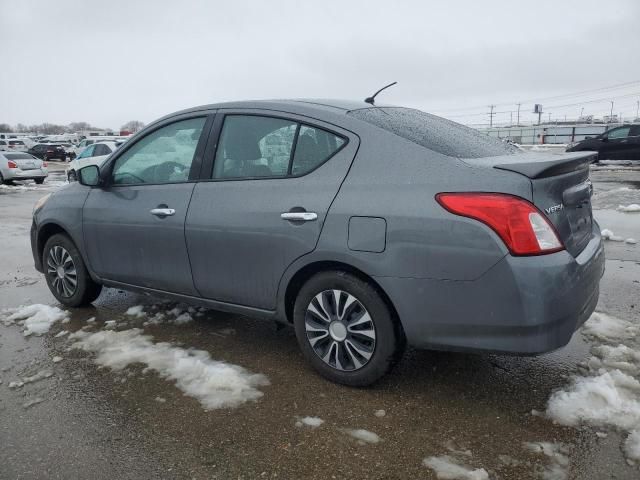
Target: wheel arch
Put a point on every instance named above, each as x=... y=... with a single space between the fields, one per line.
x=45 y=232
x=305 y=272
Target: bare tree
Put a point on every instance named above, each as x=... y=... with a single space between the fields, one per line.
x=78 y=126
x=133 y=126
x=5 y=127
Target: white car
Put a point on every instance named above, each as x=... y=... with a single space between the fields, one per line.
x=13 y=145
x=94 y=154
x=84 y=143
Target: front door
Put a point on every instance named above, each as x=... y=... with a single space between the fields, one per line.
x=271 y=185
x=616 y=144
x=134 y=225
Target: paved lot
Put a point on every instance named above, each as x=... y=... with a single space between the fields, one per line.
x=92 y=422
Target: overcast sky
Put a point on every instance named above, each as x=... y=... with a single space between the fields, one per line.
x=112 y=61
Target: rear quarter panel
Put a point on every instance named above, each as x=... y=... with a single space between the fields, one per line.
x=397 y=180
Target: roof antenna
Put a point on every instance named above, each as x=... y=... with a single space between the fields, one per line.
x=372 y=97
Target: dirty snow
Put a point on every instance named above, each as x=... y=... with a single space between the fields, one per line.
x=558 y=466
x=607 y=395
x=362 y=435
x=634 y=207
x=313 y=422
x=36 y=319
x=448 y=468
x=56 y=359
x=379 y=413
x=32 y=402
x=609 y=235
x=213 y=383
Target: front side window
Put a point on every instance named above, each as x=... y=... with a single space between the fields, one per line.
x=260 y=147
x=87 y=152
x=619 y=133
x=164 y=156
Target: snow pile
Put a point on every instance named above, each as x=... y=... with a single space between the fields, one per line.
x=448 y=468
x=558 y=467
x=312 y=422
x=634 y=207
x=608 y=395
x=609 y=235
x=631 y=241
x=213 y=383
x=36 y=319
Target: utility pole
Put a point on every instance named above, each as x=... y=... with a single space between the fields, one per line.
x=491 y=114
x=518 y=115
x=549 y=117
x=581 y=112
x=511 y=119
x=638 y=109
x=611 y=114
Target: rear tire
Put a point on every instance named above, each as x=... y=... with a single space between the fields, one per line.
x=39 y=181
x=66 y=274
x=341 y=343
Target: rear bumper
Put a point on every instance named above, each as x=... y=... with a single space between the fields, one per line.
x=522 y=305
x=19 y=174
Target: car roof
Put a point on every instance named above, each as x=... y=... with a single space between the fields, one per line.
x=314 y=107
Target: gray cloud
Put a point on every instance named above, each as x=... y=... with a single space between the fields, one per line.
x=106 y=64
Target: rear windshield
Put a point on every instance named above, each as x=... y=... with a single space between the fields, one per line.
x=16 y=142
x=435 y=133
x=18 y=156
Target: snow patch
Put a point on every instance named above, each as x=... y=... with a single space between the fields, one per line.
x=558 y=467
x=380 y=413
x=631 y=241
x=213 y=383
x=362 y=435
x=608 y=394
x=36 y=319
x=448 y=468
x=609 y=235
x=634 y=207
x=136 y=311
x=313 y=422
x=57 y=359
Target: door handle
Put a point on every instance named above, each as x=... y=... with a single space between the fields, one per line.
x=299 y=216
x=163 y=212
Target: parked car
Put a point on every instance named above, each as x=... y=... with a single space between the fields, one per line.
x=621 y=143
x=84 y=143
x=365 y=227
x=21 y=166
x=94 y=154
x=12 y=145
x=48 y=151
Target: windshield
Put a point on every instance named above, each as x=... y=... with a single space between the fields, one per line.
x=435 y=133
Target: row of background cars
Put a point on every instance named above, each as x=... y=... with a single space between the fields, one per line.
x=19 y=161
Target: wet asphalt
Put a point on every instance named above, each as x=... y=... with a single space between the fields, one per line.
x=94 y=423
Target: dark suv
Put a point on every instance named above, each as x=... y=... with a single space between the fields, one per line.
x=620 y=143
x=48 y=151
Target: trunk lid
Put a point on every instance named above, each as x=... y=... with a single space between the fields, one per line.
x=560 y=188
x=25 y=161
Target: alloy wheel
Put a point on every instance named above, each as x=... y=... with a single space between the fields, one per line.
x=62 y=271
x=340 y=330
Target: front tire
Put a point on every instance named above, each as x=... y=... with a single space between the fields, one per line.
x=66 y=274
x=345 y=329
x=72 y=177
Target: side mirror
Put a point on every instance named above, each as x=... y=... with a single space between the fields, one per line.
x=89 y=176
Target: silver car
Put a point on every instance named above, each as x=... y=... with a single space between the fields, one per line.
x=21 y=166
x=366 y=227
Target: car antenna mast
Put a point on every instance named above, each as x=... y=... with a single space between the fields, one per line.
x=372 y=97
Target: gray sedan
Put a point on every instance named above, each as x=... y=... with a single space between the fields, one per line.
x=21 y=166
x=366 y=227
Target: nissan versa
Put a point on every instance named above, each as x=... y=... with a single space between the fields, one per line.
x=367 y=227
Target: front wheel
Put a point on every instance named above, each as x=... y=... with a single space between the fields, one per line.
x=345 y=329
x=66 y=273
x=72 y=176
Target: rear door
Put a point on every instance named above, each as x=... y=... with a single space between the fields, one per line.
x=616 y=144
x=634 y=140
x=134 y=226
x=263 y=202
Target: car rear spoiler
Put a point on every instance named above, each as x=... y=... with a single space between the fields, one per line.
x=541 y=165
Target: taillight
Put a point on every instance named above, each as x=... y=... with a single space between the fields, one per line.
x=520 y=225
x=12 y=164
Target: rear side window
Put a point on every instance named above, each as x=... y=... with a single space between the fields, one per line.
x=619 y=132
x=253 y=146
x=435 y=133
x=16 y=142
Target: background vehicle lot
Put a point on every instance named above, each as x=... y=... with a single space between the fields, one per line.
x=100 y=424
